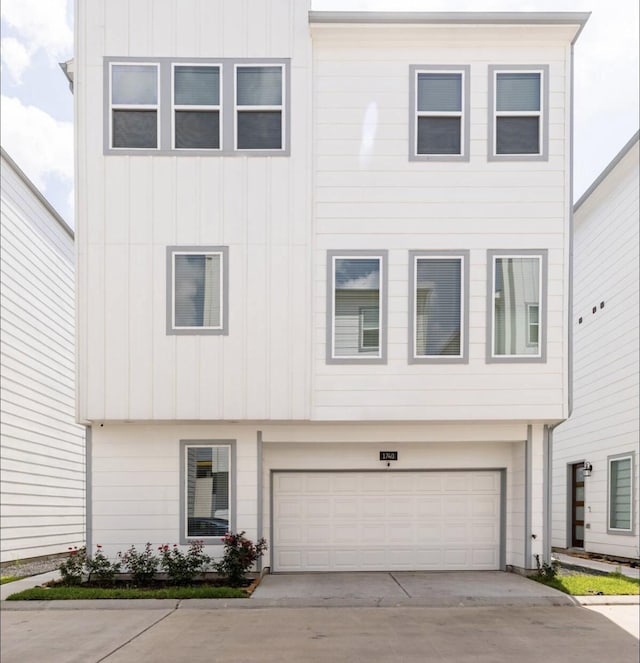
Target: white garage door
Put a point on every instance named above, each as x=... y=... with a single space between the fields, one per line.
x=383 y=521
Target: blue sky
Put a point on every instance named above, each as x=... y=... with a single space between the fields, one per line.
x=37 y=106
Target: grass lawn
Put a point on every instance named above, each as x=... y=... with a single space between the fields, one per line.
x=71 y=593
x=586 y=585
x=6 y=579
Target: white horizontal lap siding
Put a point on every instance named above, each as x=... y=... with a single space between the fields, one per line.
x=133 y=207
x=606 y=383
x=42 y=450
x=368 y=195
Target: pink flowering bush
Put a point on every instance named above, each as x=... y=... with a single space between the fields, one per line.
x=141 y=565
x=100 y=568
x=239 y=555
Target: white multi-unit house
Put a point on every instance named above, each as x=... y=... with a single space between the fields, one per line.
x=323 y=278
x=42 y=465
x=595 y=453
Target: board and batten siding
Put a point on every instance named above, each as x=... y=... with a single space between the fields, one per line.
x=43 y=449
x=368 y=195
x=604 y=421
x=130 y=208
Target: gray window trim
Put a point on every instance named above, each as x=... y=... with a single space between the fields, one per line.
x=542 y=310
x=204 y=331
x=621 y=456
x=227 y=110
x=537 y=324
x=543 y=70
x=414 y=70
x=184 y=444
x=382 y=256
x=464 y=305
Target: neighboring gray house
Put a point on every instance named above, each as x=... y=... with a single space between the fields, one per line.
x=42 y=449
x=597 y=510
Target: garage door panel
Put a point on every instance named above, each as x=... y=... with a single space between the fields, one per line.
x=386 y=521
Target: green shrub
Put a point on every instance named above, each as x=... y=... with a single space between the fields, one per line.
x=181 y=568
x=141 y=565
x=73 y=566
x=101 y=569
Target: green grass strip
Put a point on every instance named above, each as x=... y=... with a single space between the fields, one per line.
x=586 y=585
x=79 y=593
x=5 y=579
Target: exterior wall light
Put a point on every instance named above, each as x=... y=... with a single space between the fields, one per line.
x=587 y=468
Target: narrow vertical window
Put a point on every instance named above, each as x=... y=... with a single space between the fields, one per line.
x=356 y=317
x=259 y=107
x=207 y=499
x=196 y=107
x=518 y=128
x=197 y=290
x=517 y=312
x=134 y=106
x=438 y=306
x=621 y=493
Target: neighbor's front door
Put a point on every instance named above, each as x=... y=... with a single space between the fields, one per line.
x=577 y=505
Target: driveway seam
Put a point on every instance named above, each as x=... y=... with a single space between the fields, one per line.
x=137 y=635
x=399 y=585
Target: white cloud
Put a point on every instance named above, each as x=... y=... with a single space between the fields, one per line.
x=40 y=145
x=15 y=58
x=40 y=25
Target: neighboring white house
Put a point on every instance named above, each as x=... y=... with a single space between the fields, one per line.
x=598 y=510
x=323 y=278
x=42 y=468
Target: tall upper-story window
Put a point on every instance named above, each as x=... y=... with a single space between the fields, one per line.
x=517 y=305
x=259 y=107
x=518 y=112
x=438 y=282
x=356 y=314
x=197 y=290
x=440 y=113
x=134 y=121
x=196 y=107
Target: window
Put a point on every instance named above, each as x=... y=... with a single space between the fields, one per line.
x=197 y=106
x=518 y=99
x=355 y=311
x=259 y=99
x=134 y=106
x=206 y=489
x=438 y=306
x=439 y=100
x=620 y=494
x=197 y=290
x=517 y=298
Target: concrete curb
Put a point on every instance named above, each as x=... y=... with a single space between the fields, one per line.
x=608 y=600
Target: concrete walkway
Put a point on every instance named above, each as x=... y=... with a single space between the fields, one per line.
x=406 y=588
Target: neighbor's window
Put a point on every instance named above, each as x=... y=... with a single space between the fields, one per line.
x=438 y=306
x=439 y=113
x=196 y=107
x=134 y=106
x=356 y=316
x=207 y=490
x=518 y=103
x=621 y=493
x=197 y=290
x=517 y=319
x=259 y=107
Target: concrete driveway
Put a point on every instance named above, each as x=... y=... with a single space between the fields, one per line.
x=405 y=588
